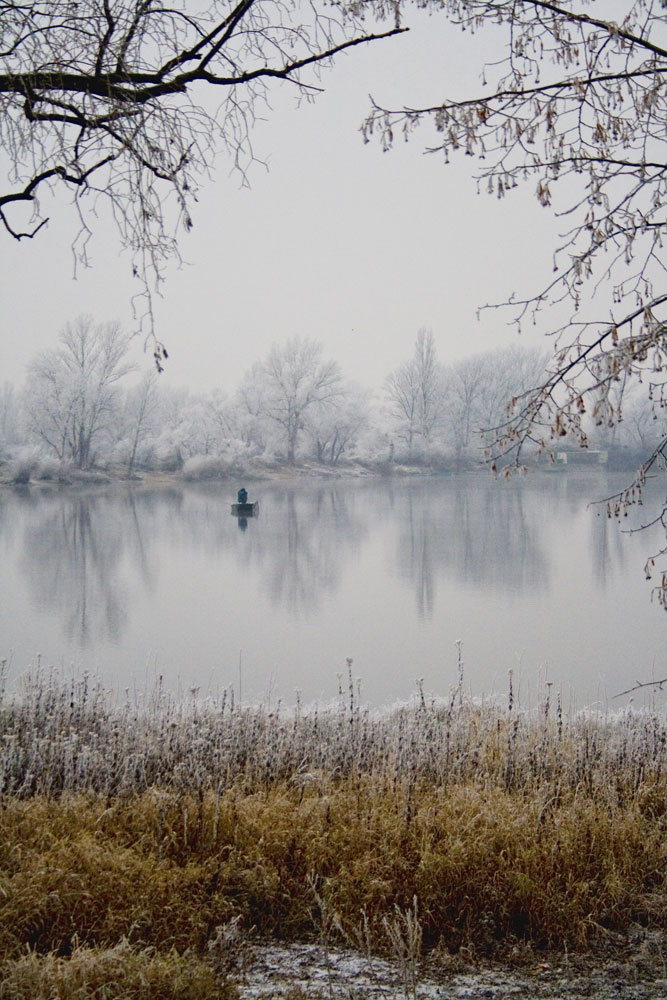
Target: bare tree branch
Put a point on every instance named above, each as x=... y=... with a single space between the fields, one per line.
x=576 y=105
x=108 y=98
x=643 y=684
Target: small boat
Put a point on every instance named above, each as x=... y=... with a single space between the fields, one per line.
x=245 y=509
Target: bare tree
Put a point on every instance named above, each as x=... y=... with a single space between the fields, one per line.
x=477 y=390
x=72 y=390
x=401 y=390
x=140 y=406
x=129 y=100
x=293 y=380
x=574 y=103
x=334 y=427
x=466 y=383
x=512 y=370
x=9 y=415
x=429 y=380
x=414 y=391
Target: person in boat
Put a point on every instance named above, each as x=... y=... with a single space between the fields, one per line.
x=242 y=496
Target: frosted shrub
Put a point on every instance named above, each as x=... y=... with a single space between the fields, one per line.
x=52 y=469
x=204 y=467
x=22 y=465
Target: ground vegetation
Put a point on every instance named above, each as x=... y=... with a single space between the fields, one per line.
x=159 y=836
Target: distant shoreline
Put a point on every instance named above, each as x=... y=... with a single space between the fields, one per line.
x=312 y=471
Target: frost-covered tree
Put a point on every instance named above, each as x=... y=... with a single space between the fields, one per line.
x=138 y=418
x=510 y=371
x=334 y=427
x=402 y=394
x=248 y=414
x=128 y=102
x=644 y=424
x=465 y=384
x=196 y=433
x=476 y=391
x=289 y=384
x=185 y=427
x=414 y=393
x=429 y=381
x=10 y=432
x=71 y=393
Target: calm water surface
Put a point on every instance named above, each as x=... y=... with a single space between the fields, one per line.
x=132 y=582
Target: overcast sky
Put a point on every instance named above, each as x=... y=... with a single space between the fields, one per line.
x=337 y=240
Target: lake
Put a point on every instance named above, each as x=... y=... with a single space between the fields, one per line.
x=134 y=582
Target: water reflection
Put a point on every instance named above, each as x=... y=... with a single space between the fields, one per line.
x=607 y=549
x=383 y=567
x=79 y=548
x=502 y=544
x=417 y=554
x=309 y=537
x=477 y=533
x=71 y=554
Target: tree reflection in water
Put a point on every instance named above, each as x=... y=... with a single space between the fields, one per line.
x=76 y=546
x=475 y=532
x=308 y=541
x=71 y=555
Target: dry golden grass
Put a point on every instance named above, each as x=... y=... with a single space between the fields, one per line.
x=467 y=826
x=119 y=973
x=484 y=863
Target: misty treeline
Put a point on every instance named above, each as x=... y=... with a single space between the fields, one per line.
x=85 y=404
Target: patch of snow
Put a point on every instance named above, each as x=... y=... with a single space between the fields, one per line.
x=315 y=972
